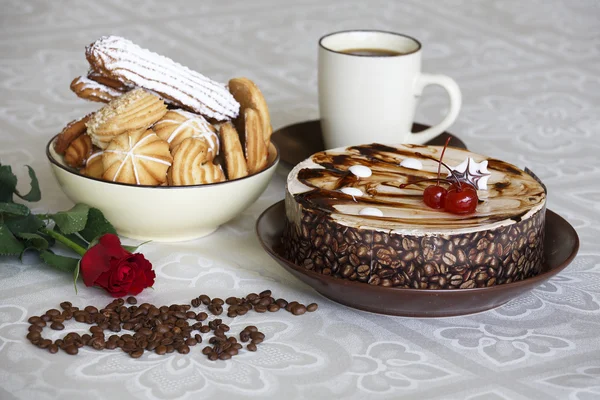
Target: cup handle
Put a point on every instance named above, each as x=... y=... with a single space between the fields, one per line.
x=455 y=102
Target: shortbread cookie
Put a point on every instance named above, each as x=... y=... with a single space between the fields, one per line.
x=121 y=60
x=72 y=131
x=134 y=110
x=235 y=163
x=178 y=125
x=138 y=157
x=93 y=91
x=255 y=147
x=249 y=96
x=192 y=165
x=97 y=76
x=94 y=166
x=78 y=151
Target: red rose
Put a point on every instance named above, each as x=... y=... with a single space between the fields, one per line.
x=110 y=266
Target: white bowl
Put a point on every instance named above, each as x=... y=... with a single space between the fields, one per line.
x=163 y=213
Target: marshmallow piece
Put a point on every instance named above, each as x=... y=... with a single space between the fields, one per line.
x=371 y=211
x=354 y=192
x=361 y=171
x=411 y=163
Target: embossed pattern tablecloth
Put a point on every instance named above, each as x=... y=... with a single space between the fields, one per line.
x=530 y=76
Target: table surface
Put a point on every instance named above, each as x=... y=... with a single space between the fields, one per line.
x=530 y=77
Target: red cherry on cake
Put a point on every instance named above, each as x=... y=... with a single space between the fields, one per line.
x=435 y=196
x=461 y=199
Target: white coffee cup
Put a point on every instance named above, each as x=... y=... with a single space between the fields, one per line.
x=373 y=98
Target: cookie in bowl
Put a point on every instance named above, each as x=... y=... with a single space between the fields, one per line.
x=387 y=216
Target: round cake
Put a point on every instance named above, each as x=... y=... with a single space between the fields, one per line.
x=358 y=213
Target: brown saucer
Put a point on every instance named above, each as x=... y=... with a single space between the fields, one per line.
x=299 y=141
x=560 y=247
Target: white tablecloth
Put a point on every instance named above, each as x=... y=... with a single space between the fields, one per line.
x=530 y=76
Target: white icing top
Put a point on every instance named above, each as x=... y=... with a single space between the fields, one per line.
x=352 y=191
x=372 y=211
x=411 y=163
x=361 y=171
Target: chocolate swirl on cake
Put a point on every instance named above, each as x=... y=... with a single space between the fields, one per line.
x=322 y=183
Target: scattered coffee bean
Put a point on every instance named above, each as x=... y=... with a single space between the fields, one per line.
x=251 y=346
x=298 y=309
x=312 y=307
x=71 y=349
x=131 y=300
x=57 y=326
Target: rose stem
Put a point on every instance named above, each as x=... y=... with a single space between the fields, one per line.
x=64 y=240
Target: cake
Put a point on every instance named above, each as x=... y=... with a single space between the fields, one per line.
x=358 y=213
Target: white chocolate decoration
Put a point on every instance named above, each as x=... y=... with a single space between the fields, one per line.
x=361 y=171
x=371 y=211
x=473 y=172
x=412 y=163
x=352 y=191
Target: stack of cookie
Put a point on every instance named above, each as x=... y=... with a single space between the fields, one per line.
x=163 y=123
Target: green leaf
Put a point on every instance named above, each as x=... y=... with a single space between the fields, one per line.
x=8 y=184
x=66 y=264
x=96 y=226
x=133 y=249
x=14 y=209
x=34 y=193
x=34 y=241
x=73 y=220
x=28 y=224
x=9 y=244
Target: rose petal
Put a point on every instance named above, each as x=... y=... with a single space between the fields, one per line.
x=112 y=243
x=94 y=262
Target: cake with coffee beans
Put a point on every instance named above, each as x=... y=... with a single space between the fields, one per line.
x=410 y=216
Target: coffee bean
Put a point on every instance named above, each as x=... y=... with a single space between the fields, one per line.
x=53 y=349
x=185 y=349
x=217 y=301
x=260 y=308
x=131 y=300
x=91 y=309
x=224 y=356
x=298 y=309
x=34 y=328
x=273 y=307
x=204 y=299
x=213 y=356
x=282 y=303
x=53 y=312
x=207 y=350
x=312 y=307
x=71 y=349
x=34 y=336
x=136 y=353
x=201 y=316
x=97 y=343
x=57 y=326
x=265 y=293
x=251 y=346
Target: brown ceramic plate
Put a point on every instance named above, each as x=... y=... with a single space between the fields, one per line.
x=299 y=141
x=560 y=247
